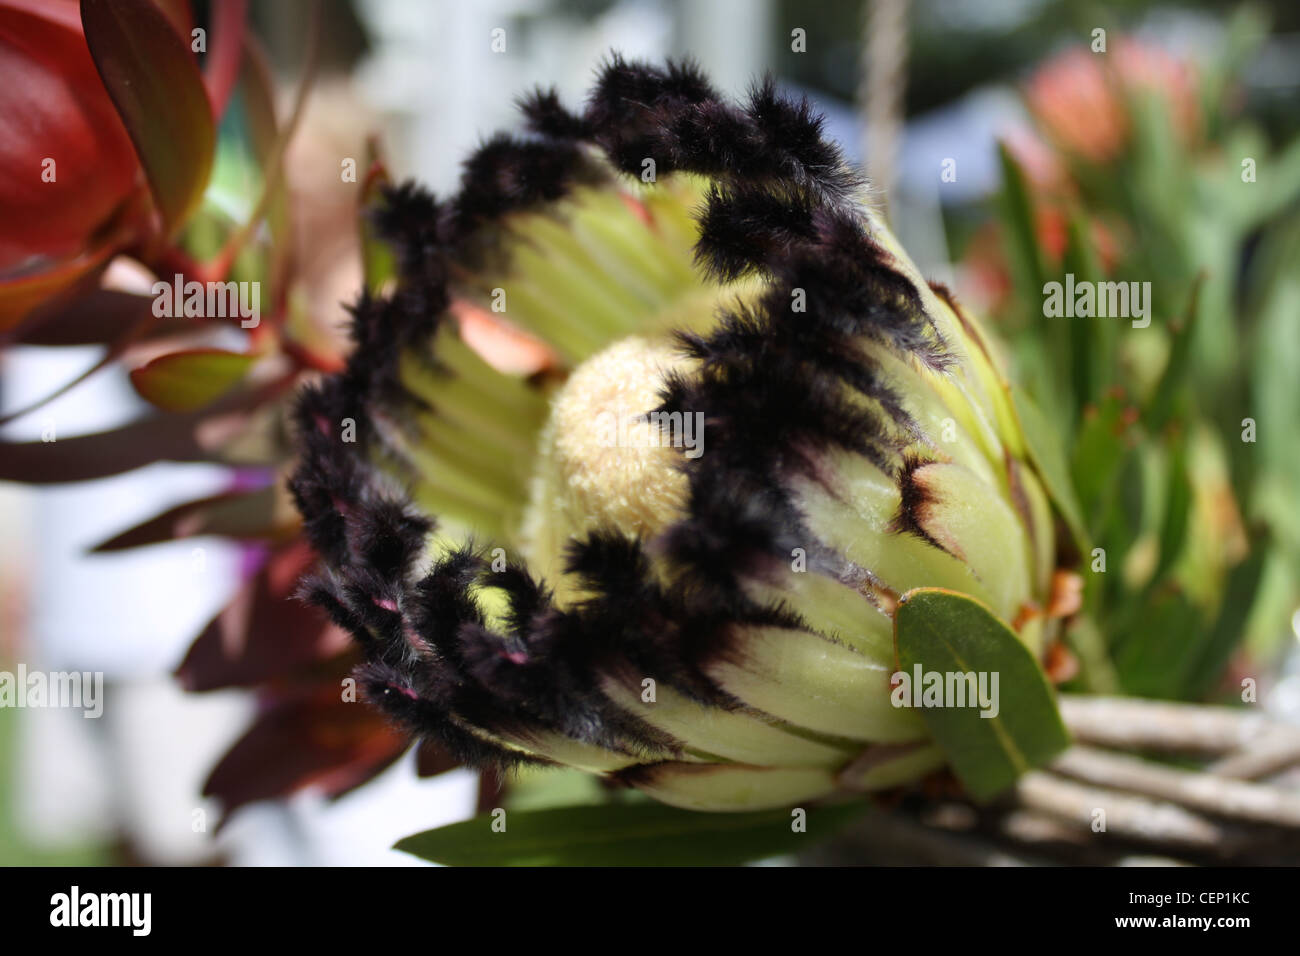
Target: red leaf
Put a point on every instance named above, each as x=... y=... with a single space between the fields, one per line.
x=222 y=64
x=157 y=438
x=312 y=740
x=20 y=295
x=432 y=759
x=66 y=163
x=245 y=515
x=145 y=320
x=197 y=436
x=98 y=317
x=179 y=15
x=159 y=94
x=264 y=633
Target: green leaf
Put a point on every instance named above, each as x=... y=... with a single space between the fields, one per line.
x=1096 y=670
x=1275 y=395
x=1100 y=450
x=1175 y=377
x=1213 y=649
x=1155 y=653
x=257 y=99
x=377 y=258
x=1245 y=32
x=1177 y=511
x=543 y=788
x=626 y=834
x=1091 y=344
x=158 y=90
x=1016 y=208
x=1048 y=458
x=1124 y=519
x=189 y=380
x=1278 y=182
x=948 y=632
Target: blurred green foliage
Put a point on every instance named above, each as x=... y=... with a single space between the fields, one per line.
x=1184 y=436
x=16 y=848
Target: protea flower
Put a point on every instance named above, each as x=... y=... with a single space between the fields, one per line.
x=665 y=543
x=1077 y=98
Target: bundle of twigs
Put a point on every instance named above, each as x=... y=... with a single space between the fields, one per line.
x=1146 y=781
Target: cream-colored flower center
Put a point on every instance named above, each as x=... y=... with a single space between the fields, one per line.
x=608 y=459
x=618 y=462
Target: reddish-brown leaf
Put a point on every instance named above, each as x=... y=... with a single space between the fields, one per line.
x=199 y=436
x=264 y=634
x=314 y=739
x=243 y=515
x=97 y=317
x=154 y=82
x=432 y=759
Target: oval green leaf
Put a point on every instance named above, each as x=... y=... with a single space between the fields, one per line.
x=944 y=632
x=186 y=381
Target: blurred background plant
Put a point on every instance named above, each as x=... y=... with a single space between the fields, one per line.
x=248 y=156
x=1140 y=167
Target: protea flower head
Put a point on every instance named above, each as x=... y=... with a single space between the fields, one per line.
x=666 y=546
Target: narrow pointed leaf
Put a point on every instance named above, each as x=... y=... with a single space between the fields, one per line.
x=625 y=834
x=1016 y=206
x=1158 y=648
x=222 y=63
x=1175 y=378
x=1048 y=457
x=1215 y=647
x=100 y=317
x=85 y=457
x=1101 y=448
x=1177 y=515
x=257 y=95
x=1092 y=345
x=249 y=515
x=197 y=436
